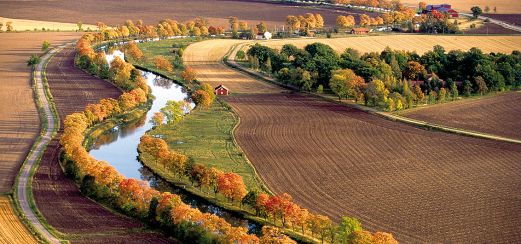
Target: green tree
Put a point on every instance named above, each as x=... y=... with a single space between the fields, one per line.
x=467 y=88
x=347 y=227
x=174 y=111
x=45 y=45
x=481 y=85
x=33 y=60
x=80 y=25
x=241 y=55
x=454 y=91
x=476 y=11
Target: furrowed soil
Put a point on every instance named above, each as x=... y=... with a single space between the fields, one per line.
x=19 y=122
x=11 y=229
x=495 y=114
x=508 y=18
x=422 y=186
x=113 y=12
x=57 y=197
x=32 y=25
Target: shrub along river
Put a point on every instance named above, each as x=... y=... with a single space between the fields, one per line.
x=119 y=147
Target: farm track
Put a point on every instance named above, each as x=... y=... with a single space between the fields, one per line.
x=422 y=186
x=495 y=114
x=56 y=196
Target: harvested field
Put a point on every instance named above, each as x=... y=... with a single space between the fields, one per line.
x=495 y=114
x=31 y=25
x=418 y=43
x=57 y=197
x=204 y=57
x=11 y=229
x=503 y=6
x=422 y=186
x=19 y=122
x=113 y=12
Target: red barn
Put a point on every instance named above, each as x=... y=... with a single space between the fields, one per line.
x=442 y=8
x=221 y=90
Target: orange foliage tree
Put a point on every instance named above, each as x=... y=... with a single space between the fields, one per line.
x=163 y=63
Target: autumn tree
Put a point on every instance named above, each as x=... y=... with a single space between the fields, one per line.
x=293 y=22
x=319 y=21
x=345 y=21
x=120 y=72
x=158 y=118
x=9 y=26
x=418 y=94
x=231 y=186
x=162 y=63
x=133 y=50
x=376 y=92
x=208 y=89
x=383 y=238
x=365 y=20
x=362 y=237
x=271 y=235
x=189 y=74
x=346 y=83
x=262 y=27
x=414 y=70
x=422 y=5
x=202 y=99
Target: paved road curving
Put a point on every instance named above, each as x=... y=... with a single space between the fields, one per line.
x=38 y=149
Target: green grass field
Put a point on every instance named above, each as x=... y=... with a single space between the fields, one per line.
x=206 y=136
x=164 y=48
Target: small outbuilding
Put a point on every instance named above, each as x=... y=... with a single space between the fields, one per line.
x=221 y=90
x=360 y=31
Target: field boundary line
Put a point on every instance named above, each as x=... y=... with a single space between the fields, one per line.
x=230 y=62
x=48 y=115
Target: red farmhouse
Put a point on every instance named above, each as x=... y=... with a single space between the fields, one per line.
x=221 y=90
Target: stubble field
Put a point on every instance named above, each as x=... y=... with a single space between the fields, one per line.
x=11 y=229
x=420 y=185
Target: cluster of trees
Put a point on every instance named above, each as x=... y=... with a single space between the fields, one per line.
x=165 y=28
x=123 y=74
x=385 y=4
x=240 y=29
x=391 y=79
x=230 y=185
x=305 y=23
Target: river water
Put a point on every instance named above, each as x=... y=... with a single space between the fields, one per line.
x=119 y=147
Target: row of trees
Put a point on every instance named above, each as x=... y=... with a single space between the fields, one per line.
x=240 y=29
x=384 y=4
x=390 y=79
x=306 y=22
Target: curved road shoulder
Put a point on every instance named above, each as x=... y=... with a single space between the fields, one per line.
x=49 y=128
x=230 y=61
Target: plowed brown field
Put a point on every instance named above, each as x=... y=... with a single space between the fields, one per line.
x=19 y=123
x=422 y=186
x=57 y=197
x=498 y=114
x=11 y=229
x=113 y=12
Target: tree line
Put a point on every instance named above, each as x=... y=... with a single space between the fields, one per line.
x=392 y=79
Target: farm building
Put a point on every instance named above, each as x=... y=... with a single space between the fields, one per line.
x=442 y=8
x=221 y=90
x=360 y=31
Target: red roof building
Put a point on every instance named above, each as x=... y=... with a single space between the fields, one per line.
x=221 y=91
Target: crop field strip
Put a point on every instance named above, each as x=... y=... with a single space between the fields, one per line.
x=11 y=229
x=419 y=185
x=58 y=197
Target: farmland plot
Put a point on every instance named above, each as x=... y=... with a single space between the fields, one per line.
x=420 y=185
x=11 y=229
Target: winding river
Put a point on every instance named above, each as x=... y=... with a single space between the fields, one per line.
x=119 y=147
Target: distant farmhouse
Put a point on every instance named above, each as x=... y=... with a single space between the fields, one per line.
x=442 y=8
